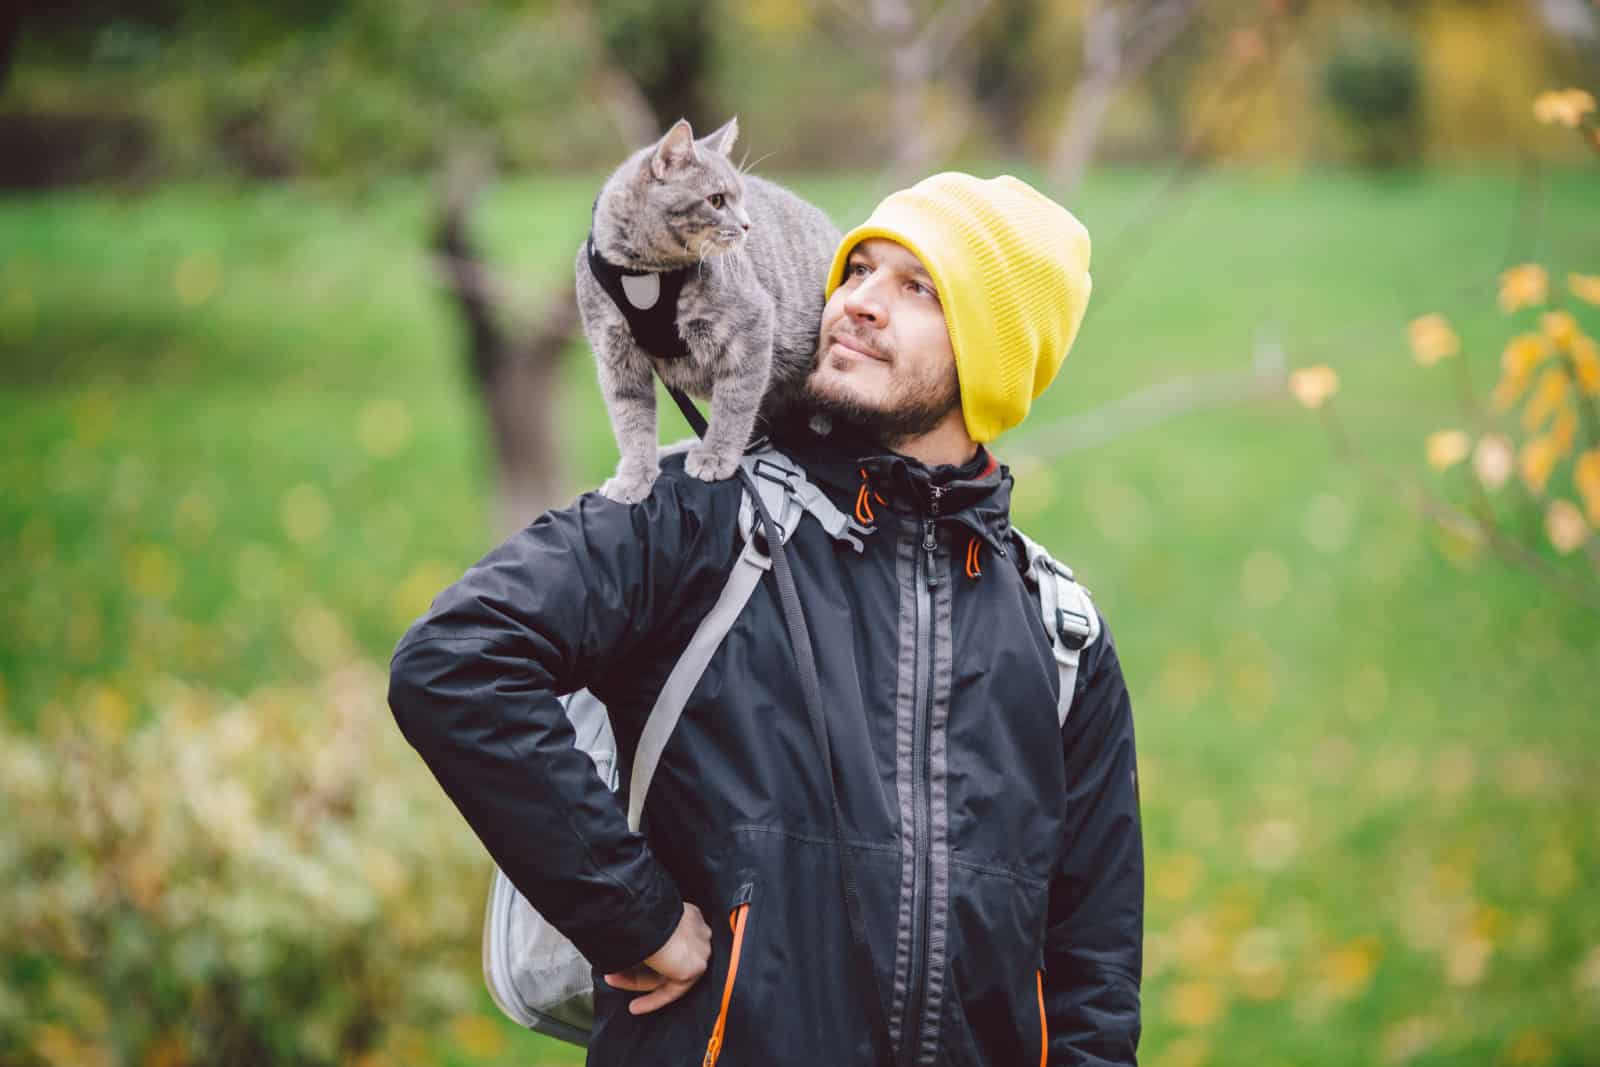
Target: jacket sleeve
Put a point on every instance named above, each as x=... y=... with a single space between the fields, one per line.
x=1095 y=933
x=473 y=685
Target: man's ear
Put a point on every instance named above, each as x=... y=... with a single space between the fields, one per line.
x=721 y=140
x=675 y=149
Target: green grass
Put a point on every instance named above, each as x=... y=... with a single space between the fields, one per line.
x=236 y=440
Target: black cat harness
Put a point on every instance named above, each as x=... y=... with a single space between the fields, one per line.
x=648 y=299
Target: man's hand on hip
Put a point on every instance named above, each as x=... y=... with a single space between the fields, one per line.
x=674 y=968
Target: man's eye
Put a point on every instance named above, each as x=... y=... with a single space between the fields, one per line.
x=716 y=200
x=850 y=269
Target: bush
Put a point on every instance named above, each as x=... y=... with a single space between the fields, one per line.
x=1373 y=81
x=272 y=880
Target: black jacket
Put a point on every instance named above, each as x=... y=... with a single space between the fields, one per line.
x=999 y=855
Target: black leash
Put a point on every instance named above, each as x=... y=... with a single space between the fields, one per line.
x=811 y=690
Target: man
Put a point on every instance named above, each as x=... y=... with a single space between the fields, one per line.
x=996 y=850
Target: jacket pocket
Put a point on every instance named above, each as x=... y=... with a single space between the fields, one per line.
x=1044 y=1026
x=738 y=917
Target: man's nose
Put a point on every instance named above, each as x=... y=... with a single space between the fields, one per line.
x=862 y=303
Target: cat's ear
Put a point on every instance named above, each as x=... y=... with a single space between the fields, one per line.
x=721 y=140
x=674 y=150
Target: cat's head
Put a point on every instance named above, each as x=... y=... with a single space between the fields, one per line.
x=679 y=200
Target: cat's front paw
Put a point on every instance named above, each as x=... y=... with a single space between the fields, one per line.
x=709 y=465
x=629 y=485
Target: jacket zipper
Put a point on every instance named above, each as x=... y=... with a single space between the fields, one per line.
x=736 y=919
x=921 y=787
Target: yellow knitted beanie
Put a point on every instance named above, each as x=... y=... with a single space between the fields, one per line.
x=1012 y=270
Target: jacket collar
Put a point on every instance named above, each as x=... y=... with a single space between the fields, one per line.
x=976 y=495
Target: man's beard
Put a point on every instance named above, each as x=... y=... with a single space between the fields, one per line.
x=912 y=409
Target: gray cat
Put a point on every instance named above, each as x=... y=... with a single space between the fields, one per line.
x=751 y=259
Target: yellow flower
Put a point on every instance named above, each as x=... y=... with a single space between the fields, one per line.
x=1586 y=477
x=1312 y=386
x=1565 y=526
x=1491 y=460
x=1523 y=286
x=1565 y=107
x=1585 y=287
x=1560 y=327
x=1548 y=395
x=1447 y=448
x=1537 y=459
x=1432 y=339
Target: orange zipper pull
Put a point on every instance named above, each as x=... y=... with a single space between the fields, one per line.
x=714 y=1045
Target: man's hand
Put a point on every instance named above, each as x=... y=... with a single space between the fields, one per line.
x=674 y=968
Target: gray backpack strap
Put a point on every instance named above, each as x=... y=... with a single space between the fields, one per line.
x=788 y=495
x=686 y=674
x=1069 y=616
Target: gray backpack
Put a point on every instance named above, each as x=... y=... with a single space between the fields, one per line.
x=538 y=977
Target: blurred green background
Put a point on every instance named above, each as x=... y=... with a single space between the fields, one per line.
x=241 y=448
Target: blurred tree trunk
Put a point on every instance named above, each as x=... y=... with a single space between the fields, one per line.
x=915 y=45
x=1004 y=81
x=664 y=48
x=1121 y=38
x=517 y=377
x=10 y=37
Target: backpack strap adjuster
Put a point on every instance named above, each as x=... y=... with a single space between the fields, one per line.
x=798 y=497
x=1073 y=628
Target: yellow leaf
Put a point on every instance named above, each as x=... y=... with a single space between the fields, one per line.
x=384 y=427
x=1348 y=969
x=1586 y=364
x=1447 y=448
x=1466 y=960
x=1526 y=285
x=1432 y=339
x=1523 y=353
x=1586 y=477
x=1177 y=877
x=1585 y=287
x=1195 y=1003
x=1507 y=389
x=477 y=1035
x=1312 y=386
x=196 y=278
x=1547 y=397
x=1530 y=1049
x=1537 y=459
x=1564 y=525
x=1560 y=327
x=151 y=571
x=1492 y=460
x=304 y=513
x=1563 y=107
x=1565 y=429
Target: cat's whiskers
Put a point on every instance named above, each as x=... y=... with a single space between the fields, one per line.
x=744 y=168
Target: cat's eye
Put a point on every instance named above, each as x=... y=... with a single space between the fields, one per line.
x=717 y=200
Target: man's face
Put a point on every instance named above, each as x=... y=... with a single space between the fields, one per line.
x=884 y=359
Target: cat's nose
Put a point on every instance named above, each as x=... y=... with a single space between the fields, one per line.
x=745 y=226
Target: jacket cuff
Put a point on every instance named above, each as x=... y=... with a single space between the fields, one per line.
x=630 y=942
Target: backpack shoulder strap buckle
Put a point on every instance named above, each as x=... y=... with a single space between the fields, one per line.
x=1068 y=612
x=788 y=493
